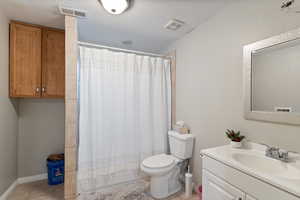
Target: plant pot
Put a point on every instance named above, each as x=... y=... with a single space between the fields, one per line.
x=236 y=144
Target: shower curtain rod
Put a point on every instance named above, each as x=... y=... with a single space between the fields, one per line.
x=122 y=50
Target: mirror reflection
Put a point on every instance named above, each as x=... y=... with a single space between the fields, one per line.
x=276 y=78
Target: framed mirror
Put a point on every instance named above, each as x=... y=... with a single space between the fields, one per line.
x=272 y=79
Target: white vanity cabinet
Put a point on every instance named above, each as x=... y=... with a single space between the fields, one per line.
x=217 y=189
x=224 y=182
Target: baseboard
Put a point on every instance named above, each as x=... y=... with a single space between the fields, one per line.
x=9 y=190
x=22 y=180
x=29 y=179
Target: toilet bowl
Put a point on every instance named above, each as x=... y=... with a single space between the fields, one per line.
x=164 y=172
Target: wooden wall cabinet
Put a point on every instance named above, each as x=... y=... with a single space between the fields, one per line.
x=37 y=61
x=53 y=64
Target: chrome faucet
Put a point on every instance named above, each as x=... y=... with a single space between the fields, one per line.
x=277 y=153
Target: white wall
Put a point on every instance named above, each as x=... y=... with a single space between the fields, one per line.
x=41 y=132
x=30 y=129
x=8 y=116
x=209 y=75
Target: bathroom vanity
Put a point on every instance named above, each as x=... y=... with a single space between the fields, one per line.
x=247 y=174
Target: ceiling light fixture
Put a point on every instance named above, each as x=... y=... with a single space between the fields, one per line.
x=115 y=7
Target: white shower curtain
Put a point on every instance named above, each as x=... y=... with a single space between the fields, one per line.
x=125 y=112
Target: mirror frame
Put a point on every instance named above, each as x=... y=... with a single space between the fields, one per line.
x=283 y=118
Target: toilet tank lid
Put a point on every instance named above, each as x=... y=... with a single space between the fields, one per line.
x=177 y=135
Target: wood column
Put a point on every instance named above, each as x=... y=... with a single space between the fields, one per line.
x=71 y=116
x=173 y=85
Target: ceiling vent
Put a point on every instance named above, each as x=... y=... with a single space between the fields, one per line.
x=127 y=42
x=72 y=12
x=174 y=24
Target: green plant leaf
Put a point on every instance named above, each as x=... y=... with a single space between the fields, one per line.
x=234 y=136
x=242 y=137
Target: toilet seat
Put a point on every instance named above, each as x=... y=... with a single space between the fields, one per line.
x=165 y=170
x=164 y=174
x=158 y=165
x=159 y=161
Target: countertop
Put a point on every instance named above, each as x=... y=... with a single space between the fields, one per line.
x=225 y=154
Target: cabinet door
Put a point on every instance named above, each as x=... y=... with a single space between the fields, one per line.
x=25 y=60
x=215 y=188
x=248 y=197
x=53 y=70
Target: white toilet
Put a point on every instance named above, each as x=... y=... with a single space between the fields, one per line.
x=164 y=169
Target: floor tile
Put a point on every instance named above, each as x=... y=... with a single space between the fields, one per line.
x=40 y=190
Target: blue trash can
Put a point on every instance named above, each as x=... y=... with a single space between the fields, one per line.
x=56 y=170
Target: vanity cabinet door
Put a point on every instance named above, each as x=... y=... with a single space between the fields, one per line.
x=250 y=198
x=215 y=188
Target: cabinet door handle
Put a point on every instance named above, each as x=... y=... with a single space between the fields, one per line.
x=37 y=90
x=43 y=89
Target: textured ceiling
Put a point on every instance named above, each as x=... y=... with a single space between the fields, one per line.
x=142 y=24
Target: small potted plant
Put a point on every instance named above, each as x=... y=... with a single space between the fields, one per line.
x=235 y=137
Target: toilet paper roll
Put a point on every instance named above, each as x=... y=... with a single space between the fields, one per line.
x=180 y=124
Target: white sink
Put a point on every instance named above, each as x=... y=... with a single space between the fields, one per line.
x=268 y=165
x=251 y=160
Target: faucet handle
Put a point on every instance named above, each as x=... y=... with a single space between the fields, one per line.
x=268 y=146
x=284 y=155
x=283 y=152
x=275 y=148
x=295 y=152
x=286 y=151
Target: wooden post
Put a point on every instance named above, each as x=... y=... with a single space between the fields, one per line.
x=173 y=87
x=71 y=116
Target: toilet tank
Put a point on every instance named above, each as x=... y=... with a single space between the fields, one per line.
x=181 y=145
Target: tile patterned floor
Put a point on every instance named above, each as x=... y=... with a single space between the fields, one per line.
x=40 y=190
